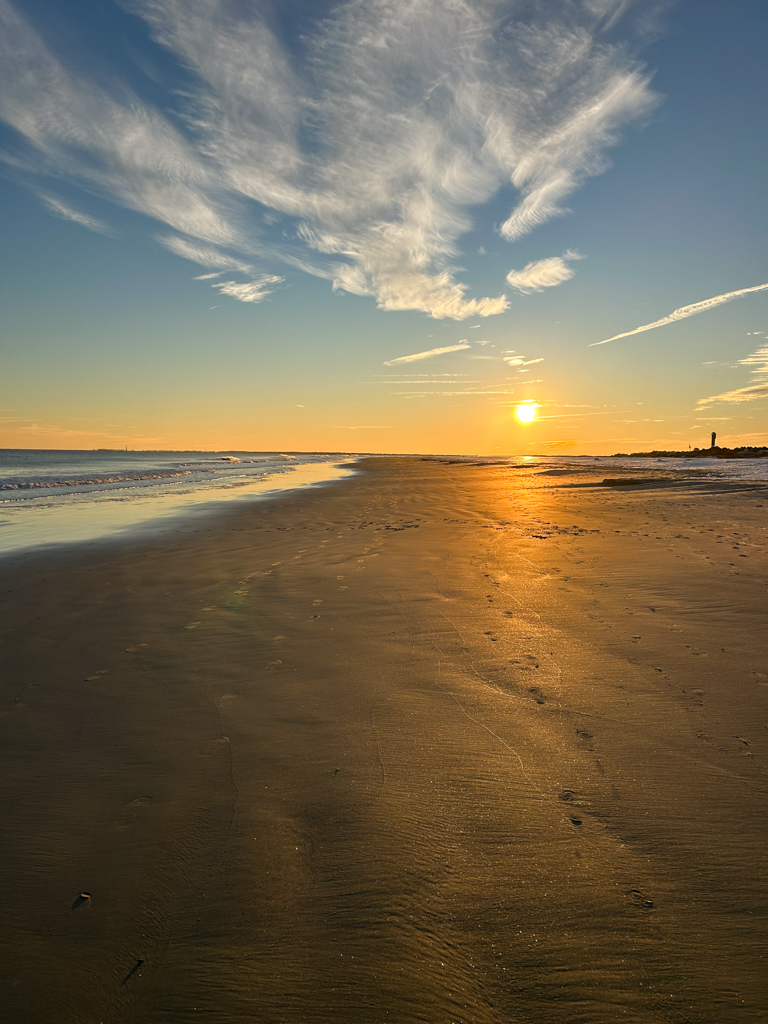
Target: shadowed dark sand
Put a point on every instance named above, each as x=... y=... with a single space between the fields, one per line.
x=441 y=743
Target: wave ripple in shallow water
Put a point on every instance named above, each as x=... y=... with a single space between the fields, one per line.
x=67 y=496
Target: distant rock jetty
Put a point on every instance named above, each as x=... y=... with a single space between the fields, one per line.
x=700 y=453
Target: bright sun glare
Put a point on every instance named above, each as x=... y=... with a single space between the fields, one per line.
x=526 y=413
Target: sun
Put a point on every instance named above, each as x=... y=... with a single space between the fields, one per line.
x=526 y=413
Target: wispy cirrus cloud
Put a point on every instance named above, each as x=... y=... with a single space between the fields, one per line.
x=758 y=363
x=120 y=148
x=205 y=255
x=354 y=150
x=465 y=393
x=249 y=291
x=67 y=212
x=514 y=360
x=416 y=356
x=388 y=378
x=554 y=445
x=548 y=273
x=686 y=311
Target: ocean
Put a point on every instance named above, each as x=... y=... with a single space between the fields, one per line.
x=53 y=497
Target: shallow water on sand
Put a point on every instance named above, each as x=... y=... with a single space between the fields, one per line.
x=64 y=497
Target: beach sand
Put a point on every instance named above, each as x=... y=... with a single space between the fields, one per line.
x=442 y=742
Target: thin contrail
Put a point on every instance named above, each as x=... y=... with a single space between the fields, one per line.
x=685 y=311
x=428 y=354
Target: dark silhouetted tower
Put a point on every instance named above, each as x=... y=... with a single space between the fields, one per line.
x=714 y=435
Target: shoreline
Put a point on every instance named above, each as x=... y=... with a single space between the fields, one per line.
x=438 y=741
x=105 y=517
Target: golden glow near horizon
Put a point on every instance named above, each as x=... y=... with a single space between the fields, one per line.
x=526 y=412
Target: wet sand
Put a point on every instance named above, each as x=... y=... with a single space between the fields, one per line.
x=441 y=743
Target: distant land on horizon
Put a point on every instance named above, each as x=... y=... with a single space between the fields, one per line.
x=700 y=453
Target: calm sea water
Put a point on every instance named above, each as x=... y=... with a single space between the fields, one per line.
x=62 y=497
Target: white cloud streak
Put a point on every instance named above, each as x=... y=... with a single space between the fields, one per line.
x=61 y=209
x=453 y=394
x=535 y=277
x=370 y=148
x=426 y=355
x=686 y=311
x=249 y=291
x=758 y=362
x=205 y=255
x=123 y=149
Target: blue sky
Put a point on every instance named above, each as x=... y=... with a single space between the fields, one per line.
x=227 y=222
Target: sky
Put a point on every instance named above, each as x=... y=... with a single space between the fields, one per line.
x=383 y=225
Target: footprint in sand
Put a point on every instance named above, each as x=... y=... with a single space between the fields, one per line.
x=312 y=617
x=96 y=675
x=568 y=796
x=343 y=588
x=140 y=801
x=132 y=810
x=316 y=603
x=279 y=638
x=130 y=650
x=640 y=899
x=192 y=625
x=585 y=736
x=272 y=665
